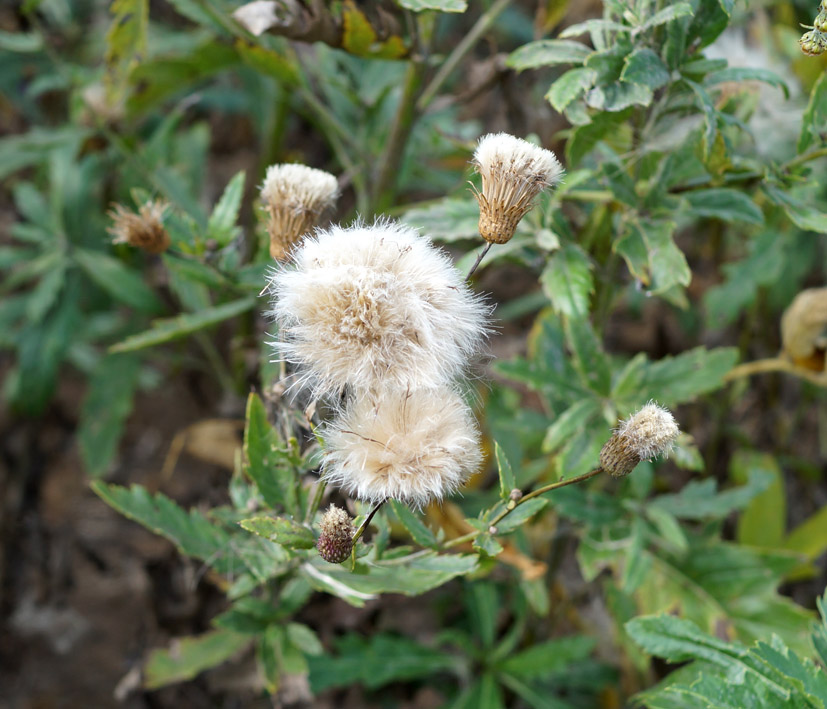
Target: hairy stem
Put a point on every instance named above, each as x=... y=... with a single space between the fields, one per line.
x=480 y=257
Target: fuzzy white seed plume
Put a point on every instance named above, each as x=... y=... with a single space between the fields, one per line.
x=295 y=197
x=643 y=436
x=513 y=173
x=415 y=447
x=374 y=306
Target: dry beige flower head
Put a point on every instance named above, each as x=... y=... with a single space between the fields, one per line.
x=372 y=307
x=144 y=230
x=643 y=436
x=513 y=173
x=804 y=329
x=336 y=539
x=415 y=447
x=295 y=197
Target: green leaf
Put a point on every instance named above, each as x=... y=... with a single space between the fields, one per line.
x=125 y=41
x=547 y=52
x=567 y=281
x=650 y=252
x=190 y=656
x=674 y=380
x=486 y=543
x=410 y=576
x=737 y=74
x=618 y=95
x=447 y=219
x=174 y=328
x=810 y=537
x=802 y=215
x=483 y=607
x=441 y=5
x=574 y=419
x=268 y=62
x=707 y=106
x=507 y=480
x=589 y=358
x=22 y=42
x=723 y=203
x=222 y=223
x=667 y=14
x=281 y=530
x=814 y=120
x=549 y=657
x=584 y=138
x=520 y=515
x=698 y=500
x=570 y=86
x=763 y=521
x=485 y=693
x=121 y=282
x=105 y=408
x=267 y=459
x=35 y=146
x=417 y=529
x=645 y=67
x=193 y=533
x=377 y=661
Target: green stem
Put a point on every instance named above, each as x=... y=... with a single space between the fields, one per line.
x=480 y=257
x=481 y=26
x=514 y=504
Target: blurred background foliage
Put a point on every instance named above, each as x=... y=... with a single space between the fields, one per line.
x=694 y=135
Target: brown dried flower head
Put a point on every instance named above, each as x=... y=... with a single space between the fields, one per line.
x=144 y=230
x=643 y=436
x=336 y=540
x=295 y=197
x=513 y=173
x=804 y=329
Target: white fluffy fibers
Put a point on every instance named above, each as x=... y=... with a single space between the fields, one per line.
x=374 y=307
x=415 y=447
x=650 y=432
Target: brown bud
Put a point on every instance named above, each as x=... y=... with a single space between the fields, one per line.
x=335 y=542
x=515 y=495
x=144 y=230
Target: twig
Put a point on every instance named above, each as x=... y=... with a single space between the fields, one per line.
x=774 y=364
x=479 y=260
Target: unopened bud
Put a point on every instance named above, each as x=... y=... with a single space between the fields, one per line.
x=492 y=529
x=643 y=436
x=336 y=539
x=515 y=495
x=144 y=230
x=813 y=43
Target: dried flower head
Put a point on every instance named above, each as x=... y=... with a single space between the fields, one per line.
x=372 y=306
x=804 y=329
x=336 y=539
x=295 y=197
x=144 y=230
x=813 y=42
x=643 y=436
x=513 y=173
x=414 y=447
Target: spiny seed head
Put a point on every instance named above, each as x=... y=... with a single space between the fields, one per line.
x=374 y=306
x=413 y=446
x=813 y=43
x=513 y=173
x=144 y=230
x=295 y=197
x=335 y=542
x=644 y=435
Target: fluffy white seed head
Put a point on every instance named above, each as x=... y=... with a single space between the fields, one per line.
x=415 y=447
x=295 y=197
x=643 y=436
x=372 y=306
x=513 y=173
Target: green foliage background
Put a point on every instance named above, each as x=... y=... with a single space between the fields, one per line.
x=679 y=204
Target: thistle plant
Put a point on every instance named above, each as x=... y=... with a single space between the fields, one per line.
x=144 y=230
x=647 y=434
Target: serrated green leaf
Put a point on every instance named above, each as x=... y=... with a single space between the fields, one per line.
x=570 y=86
x=170 y=329
x=802 y=215
x=222 y=222
x=667 y=14
x=567 y=281
x=549 y=657
x=575 y=418
x=121 y=282
x=190 y=656
x=674 y=380
x=267 y=459
x=723 y=203
x=547 y=52
x=105 y=408
x=520 y=515
x=415 y=526
x=589 y=358
x=645 y=67
x=650 y=252
x=281 y=530
x=506 y=474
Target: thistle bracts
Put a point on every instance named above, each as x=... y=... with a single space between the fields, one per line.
x=295 y=198
x=643 y=436
x=336 y=539
x=513 y=173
